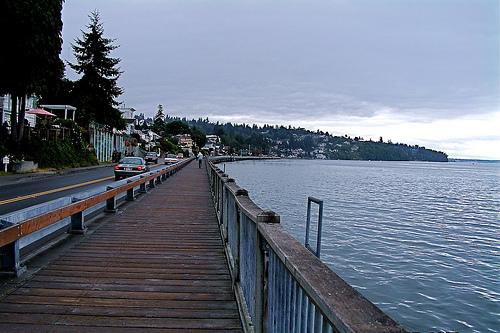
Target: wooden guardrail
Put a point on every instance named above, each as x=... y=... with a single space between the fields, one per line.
x=280 y=285
x=11 y=233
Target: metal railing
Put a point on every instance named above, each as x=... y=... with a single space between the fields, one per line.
x=319 y=233
x=280 y=285
x=68 y=212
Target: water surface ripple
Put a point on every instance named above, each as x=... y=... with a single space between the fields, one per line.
x=420 y=240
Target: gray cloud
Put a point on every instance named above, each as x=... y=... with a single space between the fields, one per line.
x=277 y=61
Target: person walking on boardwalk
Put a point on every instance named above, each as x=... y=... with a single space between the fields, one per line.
x=200 y=159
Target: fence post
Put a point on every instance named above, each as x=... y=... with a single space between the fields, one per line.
x=240 y=192
x=223 y=198
x=111 y=202
x=261 y=274
x=130 y=192
x=225 y=223
x=77 y=221
x=142 y=187
x=10 y=258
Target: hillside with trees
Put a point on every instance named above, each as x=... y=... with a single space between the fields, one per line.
x=296 y=142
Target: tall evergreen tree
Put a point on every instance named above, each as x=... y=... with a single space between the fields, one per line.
x=160 y=115
x=96 y=91
x=31 y=36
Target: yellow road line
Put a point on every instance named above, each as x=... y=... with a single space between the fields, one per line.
x=35 y=195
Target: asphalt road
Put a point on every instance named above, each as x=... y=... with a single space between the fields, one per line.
x=41 y=189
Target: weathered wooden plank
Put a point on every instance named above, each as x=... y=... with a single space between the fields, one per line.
x=149 y=264
x=145 y=275
x=203 y=296
x=144 y=312
x=131 y=287
x=97 y=256
x=138 y=281
x=23 y=328
x=109 y=321
x=144 y=252
x=100 y=269
x=115 y=302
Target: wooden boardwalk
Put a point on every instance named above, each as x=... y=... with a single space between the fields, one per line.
x=157 y=265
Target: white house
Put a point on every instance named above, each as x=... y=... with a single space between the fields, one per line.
x=6 y=107
x=212 y=138
x=62 y=111
x=128 y=115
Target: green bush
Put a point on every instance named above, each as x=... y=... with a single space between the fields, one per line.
x=71 y=152
x=60 y=154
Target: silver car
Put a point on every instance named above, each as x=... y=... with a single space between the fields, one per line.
x=151 y=157
x=171 y=159
x=130 y=166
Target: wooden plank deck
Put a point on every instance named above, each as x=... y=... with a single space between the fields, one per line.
x=157 y=265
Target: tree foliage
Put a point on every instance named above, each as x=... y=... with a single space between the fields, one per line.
x=31 y=35
x=198 y=136
x=97 y=89
x=30 y=63
x=160 y=114
x=177 y=127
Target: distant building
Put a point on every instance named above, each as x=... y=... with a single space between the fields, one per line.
x=128 y=116
x=185 y=141
x=61 y=111
x=6 y=107
x=213 y=145
x=212 y=138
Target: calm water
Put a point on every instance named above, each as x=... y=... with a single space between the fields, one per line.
x=420 y=240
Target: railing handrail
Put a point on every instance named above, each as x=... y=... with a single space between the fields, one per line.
x=340 y=303
x=17 y=231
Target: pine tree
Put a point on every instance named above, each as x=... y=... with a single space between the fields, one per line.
x=160 y=115
x=96 y=91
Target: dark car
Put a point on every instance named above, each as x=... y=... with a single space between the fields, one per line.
x=130 y=166
x=151 y=157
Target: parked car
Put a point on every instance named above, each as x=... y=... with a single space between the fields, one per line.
x=180 y=156
x=171 y=159
x=151 y=157
x=130 y=166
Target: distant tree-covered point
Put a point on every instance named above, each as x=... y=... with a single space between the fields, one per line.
x=293 y=142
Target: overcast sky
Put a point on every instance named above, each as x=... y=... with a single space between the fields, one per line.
x=420 y=72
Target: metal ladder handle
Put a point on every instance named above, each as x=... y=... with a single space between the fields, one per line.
x=320 y=225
